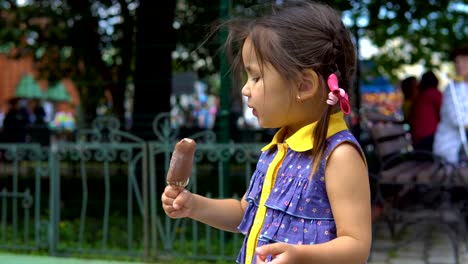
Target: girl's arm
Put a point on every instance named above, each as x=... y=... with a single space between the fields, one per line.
x=348 y=190
x=349 y=194
x=225 y=214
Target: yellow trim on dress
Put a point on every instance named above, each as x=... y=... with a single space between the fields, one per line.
x=301 y=141
x=268 y=184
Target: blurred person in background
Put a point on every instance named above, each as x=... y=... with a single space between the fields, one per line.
x=425 y=112
x=450 y=139
x=39 y=129
x=15 y=125
x=2 y=117
x=409 y=87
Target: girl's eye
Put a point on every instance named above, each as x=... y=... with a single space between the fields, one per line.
x=255 y=79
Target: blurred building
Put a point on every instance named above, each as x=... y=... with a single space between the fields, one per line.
x=14 y=69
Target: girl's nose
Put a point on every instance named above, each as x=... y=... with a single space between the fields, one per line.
x=245 y=90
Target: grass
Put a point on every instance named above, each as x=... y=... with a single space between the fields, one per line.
x=184 y=247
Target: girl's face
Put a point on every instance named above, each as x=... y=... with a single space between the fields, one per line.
x=269 y=95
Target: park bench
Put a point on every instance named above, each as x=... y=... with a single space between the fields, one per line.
x=413 y=187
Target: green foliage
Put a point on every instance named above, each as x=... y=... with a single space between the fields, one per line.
x=184 y=247
x=68 y=41
x=411 y=32
x=194 y=21
x=198 y=39
x=407 y=32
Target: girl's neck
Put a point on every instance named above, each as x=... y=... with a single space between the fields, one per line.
x=287 y=134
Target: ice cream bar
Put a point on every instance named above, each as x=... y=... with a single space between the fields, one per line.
x=180 y=167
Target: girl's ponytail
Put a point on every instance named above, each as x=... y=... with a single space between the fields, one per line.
x=320 y=132
x=320 y=138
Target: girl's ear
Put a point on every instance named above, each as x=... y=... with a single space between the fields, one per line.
x=309 y=85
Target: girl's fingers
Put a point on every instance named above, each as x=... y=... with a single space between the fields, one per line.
x=173 y=191
x=181 y=199
x=169 y=209
x=166 y=199
x=261 y=259
x=173 y=200
x=170 y=194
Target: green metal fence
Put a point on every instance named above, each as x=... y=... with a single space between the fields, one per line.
x=100 y=196
x=21 y=225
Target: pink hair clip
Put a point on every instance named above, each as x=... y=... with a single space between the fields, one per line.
x=337 y=94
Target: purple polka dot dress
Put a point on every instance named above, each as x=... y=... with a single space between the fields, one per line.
x=298 y=209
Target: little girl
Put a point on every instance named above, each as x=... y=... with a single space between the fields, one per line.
x=309 y=197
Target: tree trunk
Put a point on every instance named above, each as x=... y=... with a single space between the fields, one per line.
x=155 y=41
x=126 y=44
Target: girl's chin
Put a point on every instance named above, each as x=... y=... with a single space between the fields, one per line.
x=266 y=125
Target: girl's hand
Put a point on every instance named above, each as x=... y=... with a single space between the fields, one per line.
x=282 y=253
x=177 y=202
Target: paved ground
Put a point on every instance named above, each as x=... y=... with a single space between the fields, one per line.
x=422 y=245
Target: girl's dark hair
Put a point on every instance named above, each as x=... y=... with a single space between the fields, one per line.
x=295 y=36
x=428 y=80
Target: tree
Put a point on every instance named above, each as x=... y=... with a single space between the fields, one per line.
x=86 y=41
x=198 y=44
x=155 y=42
x=407 y=32
x=93 y=41
x=411 y=32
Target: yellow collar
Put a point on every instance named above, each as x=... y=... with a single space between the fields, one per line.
x=302 y=140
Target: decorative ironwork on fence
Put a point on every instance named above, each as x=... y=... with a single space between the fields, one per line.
x=100 y=195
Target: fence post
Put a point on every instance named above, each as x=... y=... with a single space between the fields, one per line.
x=153 y=199
x=52 y=227
x=145 y=194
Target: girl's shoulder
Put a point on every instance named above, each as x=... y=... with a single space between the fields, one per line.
x=338 y=139
x=344 y=136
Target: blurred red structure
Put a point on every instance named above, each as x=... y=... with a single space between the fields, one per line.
x=12 y=70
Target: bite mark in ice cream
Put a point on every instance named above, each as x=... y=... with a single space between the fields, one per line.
x=180 y=167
